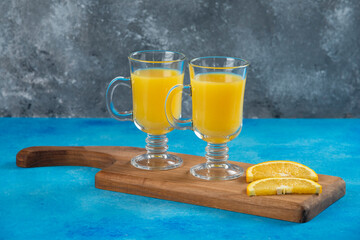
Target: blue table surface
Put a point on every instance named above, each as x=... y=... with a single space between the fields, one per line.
x=63 y=203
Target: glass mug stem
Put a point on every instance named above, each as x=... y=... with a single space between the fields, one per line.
x=217 y=166
x=217 y=154
x=156 y=144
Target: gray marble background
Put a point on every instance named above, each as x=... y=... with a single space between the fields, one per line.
x=57 y=57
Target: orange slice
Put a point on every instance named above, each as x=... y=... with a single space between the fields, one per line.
x=279 y=169
x=277 y=186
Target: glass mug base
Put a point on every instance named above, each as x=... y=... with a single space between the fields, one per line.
x=213 y=171
x=156 y=161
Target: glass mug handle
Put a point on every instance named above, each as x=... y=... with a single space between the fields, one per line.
x=119 y=115
x=177 y=123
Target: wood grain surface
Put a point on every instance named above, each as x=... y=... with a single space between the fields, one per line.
x=179 y=185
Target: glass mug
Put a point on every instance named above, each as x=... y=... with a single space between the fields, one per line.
x=153 y=74
x=217 y=86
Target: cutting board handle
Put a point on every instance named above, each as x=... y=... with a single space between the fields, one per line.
x=62 y=156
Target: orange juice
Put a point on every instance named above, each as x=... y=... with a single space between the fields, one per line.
x=149 y=88
x=217 y=100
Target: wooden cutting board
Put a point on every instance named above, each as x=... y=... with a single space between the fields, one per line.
x=179 y=185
